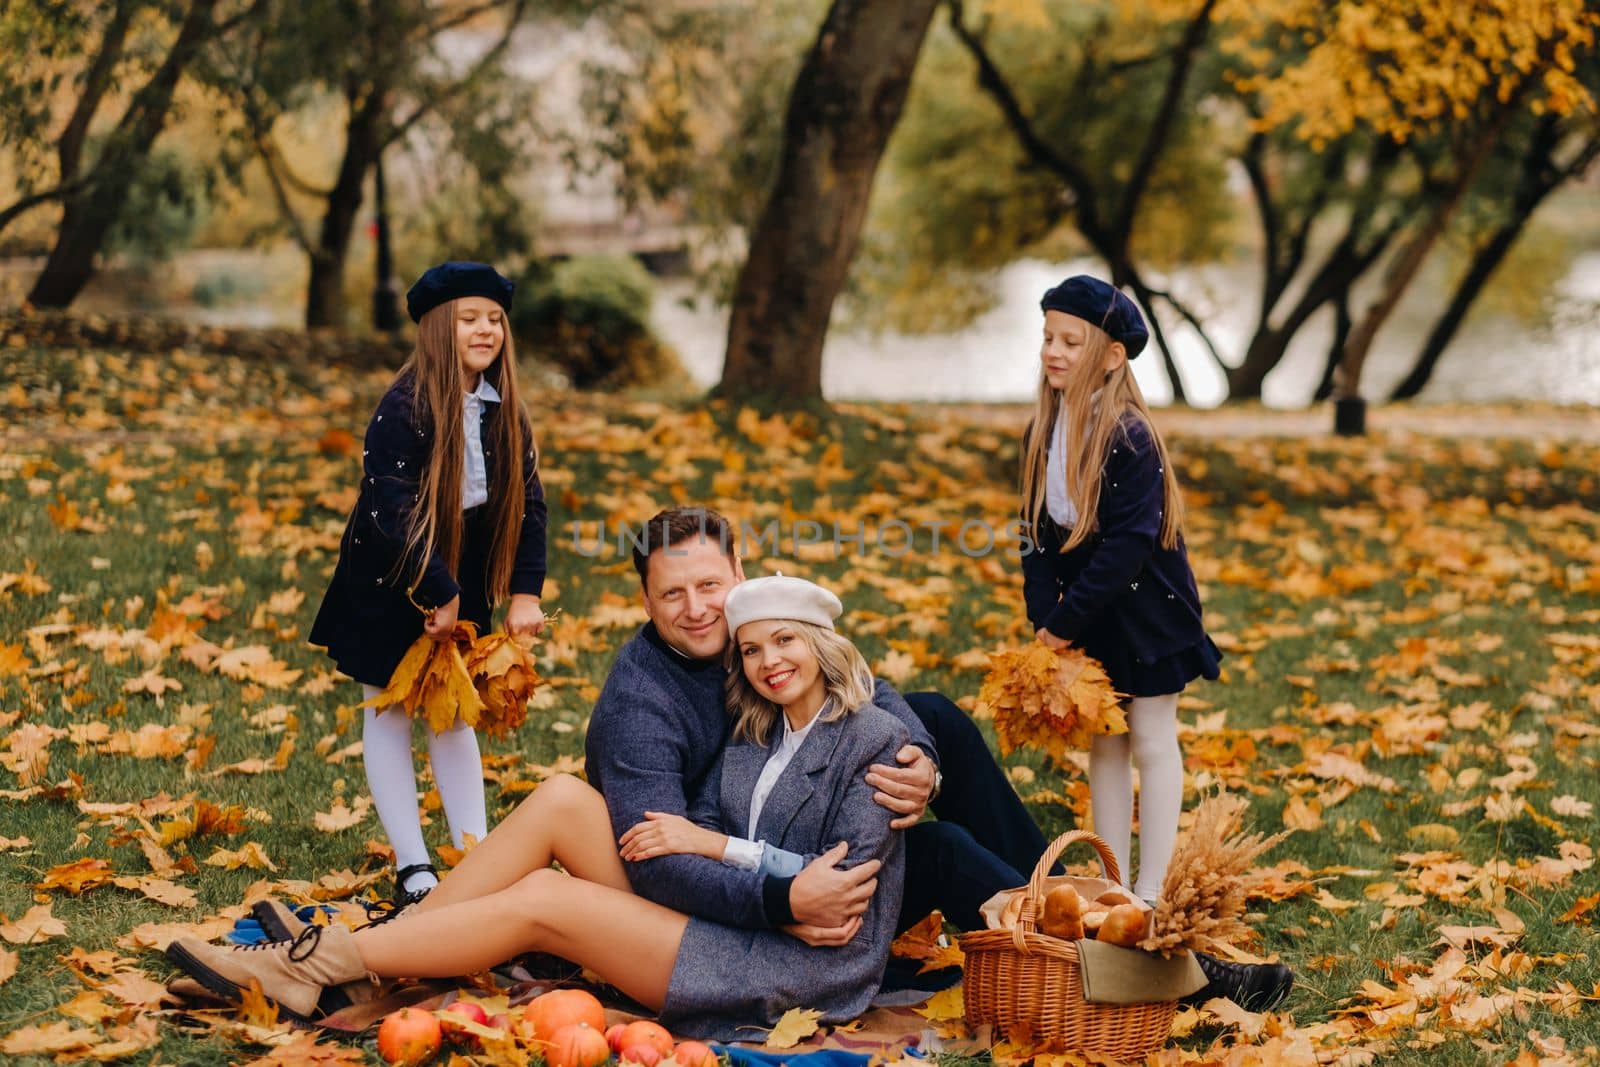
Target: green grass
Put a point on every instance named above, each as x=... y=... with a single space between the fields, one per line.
x=1363 y=590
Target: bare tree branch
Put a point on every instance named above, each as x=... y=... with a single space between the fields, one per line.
x=33 y=200
x=994 y=83
x=485 y=62
x=1194 y=36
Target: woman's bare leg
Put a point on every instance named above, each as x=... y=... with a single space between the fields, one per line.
x=630 y=942
x=563 y=821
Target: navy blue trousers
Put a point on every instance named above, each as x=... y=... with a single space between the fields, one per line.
x=983 y=839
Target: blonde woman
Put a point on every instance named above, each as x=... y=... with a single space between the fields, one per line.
x=450 y=521
x=792 y=781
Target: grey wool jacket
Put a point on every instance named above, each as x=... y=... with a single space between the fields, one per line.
x=654 y=738
x=727 y=979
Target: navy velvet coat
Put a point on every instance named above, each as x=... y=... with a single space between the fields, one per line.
x=1119 y=595
x=368 y=617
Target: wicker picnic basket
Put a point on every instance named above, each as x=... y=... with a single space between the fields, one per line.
x=1028 y=986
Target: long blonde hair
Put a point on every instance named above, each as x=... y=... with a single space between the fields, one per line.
x=845 y=675
x=437 y=386
x=1093 y=424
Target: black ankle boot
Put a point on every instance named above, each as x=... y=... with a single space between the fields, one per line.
x=1252 y=986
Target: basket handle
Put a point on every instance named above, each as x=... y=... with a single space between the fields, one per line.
x=1034 y=900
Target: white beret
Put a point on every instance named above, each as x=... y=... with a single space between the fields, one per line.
x=779 y=597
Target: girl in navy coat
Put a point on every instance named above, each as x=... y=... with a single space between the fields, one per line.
x=1106 y=568
x=450 y=520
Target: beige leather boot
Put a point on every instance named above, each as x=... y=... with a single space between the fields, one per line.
x=280 y=923
x=291 y=973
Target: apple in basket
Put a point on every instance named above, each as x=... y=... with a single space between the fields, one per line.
x=409 y=1036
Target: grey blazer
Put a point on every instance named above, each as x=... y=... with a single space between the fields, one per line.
x=728 y=979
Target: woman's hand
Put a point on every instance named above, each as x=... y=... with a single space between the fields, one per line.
x=1051 y=641
x=525 y=616
x=662 y=834
x=442 y=619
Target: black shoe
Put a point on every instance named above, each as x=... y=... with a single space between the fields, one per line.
x=1252 y=986
x=401 y=896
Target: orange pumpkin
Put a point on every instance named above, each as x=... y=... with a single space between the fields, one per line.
x=695 y=1054
x=560 y=1008
x=578 y=1045
x=645 y=1032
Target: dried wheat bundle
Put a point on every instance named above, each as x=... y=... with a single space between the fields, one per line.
x=1203 y=897
x=1053 y=701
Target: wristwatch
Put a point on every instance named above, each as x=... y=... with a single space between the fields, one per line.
x=938 y=783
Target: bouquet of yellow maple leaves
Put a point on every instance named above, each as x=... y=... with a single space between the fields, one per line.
x=484 y=682
x=1052 y=701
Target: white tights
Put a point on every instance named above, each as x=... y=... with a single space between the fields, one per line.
x=392 y=778
x=1151 y=745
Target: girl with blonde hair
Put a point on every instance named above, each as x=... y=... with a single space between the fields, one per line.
x=449 y=522
x=1105 y=566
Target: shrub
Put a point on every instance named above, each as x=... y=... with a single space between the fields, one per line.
x=589 y=317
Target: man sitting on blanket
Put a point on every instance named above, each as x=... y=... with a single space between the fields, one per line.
x=660 y=723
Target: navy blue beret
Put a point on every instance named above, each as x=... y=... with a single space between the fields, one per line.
x=451 y=281
x=1098 y=304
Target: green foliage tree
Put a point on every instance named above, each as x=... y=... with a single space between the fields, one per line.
x=1450 y=80
x=384 y=65
x=87 y=61
x=846 y=101
x=1099 y=135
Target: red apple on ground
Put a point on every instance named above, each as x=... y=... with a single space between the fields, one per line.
x=614 y=1036
x=408 y=1037
x=463 y=1009
x=694 y=1054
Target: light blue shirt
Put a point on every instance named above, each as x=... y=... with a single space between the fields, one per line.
x=749 y=853
x=475 y=477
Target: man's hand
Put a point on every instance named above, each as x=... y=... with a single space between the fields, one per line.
x=1051 y=641
x=824 y=896
x=442 y=620
x=904 y=790
x=664 y=834
x=824 y=936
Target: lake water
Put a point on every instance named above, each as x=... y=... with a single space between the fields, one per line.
x=995 y=359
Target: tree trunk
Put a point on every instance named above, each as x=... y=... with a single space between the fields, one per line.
x=1541 y=175
x=89 y=213
x=1123 y=274
x=325 y=304
x=1342 y=322
x=845 y=104
x=1444 y=330
x=1333 y=281
x=1408 y=261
